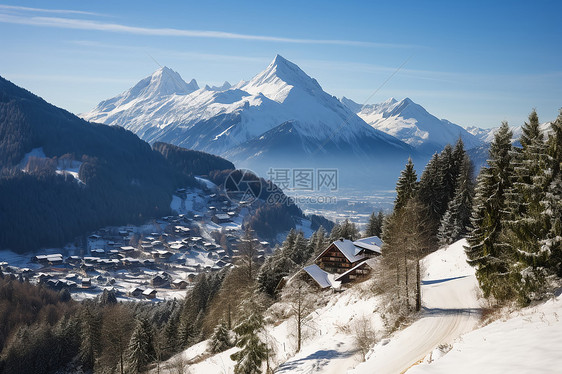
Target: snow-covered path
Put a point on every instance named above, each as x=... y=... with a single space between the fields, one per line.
x=451 y=308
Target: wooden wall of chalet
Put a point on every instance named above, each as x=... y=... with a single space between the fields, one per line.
x=333 y=261
x=361 y=272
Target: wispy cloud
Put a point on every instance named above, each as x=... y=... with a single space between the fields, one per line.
x=15 y=8
x=84 y=24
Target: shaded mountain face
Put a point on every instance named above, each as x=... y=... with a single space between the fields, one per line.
x=412 y=124
x=281 y=116
x=116 y=178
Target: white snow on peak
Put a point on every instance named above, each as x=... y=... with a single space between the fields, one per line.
x=411 y=123
x=279 y=78
x=164 y=108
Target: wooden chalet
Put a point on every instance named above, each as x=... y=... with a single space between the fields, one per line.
x=348 y=259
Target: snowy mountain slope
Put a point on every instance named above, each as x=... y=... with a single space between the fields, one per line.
x=487 y=135
x=411 y=123
x=248 y=122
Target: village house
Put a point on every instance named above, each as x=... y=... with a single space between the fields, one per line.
x=149 y=293
x=343 y=254
x=343 y=261
x=180 y=284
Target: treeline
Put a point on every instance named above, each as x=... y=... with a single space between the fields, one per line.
x=431 y=212
x=516 y=236
x=191 y=162
x=124 y=180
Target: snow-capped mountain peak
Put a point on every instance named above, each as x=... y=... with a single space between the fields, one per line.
x=277 y=80
x=163 y=81
x=413 y=124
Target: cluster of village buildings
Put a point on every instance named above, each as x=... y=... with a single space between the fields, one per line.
x=153 y=262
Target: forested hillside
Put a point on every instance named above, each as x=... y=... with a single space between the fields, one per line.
x=191 y=162
x=120 y=179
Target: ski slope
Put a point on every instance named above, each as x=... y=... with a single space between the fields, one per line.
x=450 y=309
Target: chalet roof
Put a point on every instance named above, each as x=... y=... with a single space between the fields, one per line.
x=372 y=243
x=348 y=249
x=222 y=216
x=321 y=277
x=148 y=291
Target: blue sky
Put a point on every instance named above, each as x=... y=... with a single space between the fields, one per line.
x=474 y=63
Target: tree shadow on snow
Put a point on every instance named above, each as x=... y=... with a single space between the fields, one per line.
x=436 y=281
x=320 y=358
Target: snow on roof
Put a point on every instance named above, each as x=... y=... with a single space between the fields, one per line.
x=321 y=277
x=148 y=291
x=372 y=243
x=349 y=250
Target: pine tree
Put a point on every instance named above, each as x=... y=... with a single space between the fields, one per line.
x=526 y=224
x=253 y=351
x=348 y=230
x=449 y=177
x=552 y=204
x=141 y=346
x=456 y=219
x=430 y=191
x=321 y=241
x=90 y=345
x=406 y=186
x=374 y=226
x=220 y=339
x=185 y=333
x=335 y=234
x=299 y=253
x=489 y=210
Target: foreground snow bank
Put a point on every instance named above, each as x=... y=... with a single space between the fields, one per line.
x=530 y=341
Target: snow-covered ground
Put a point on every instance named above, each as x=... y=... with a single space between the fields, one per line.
x=526 y=341
x=451 y=307
x=450 y=300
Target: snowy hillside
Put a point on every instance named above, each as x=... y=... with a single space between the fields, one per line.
x=411 y=123
x=330 y=343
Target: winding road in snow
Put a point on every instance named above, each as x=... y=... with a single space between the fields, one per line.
x=451 y=308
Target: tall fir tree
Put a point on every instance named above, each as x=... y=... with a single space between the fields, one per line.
x=220 y=339
x=553 y=202
x=253 y=351
x=456 y=220
x=526 y=224
x=374 y=226
x=90 y=344
x=141 y=347
x=406 y=186
x=489 y=210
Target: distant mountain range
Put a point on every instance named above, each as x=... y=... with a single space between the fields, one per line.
x=412 y=124
x=282 y=118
